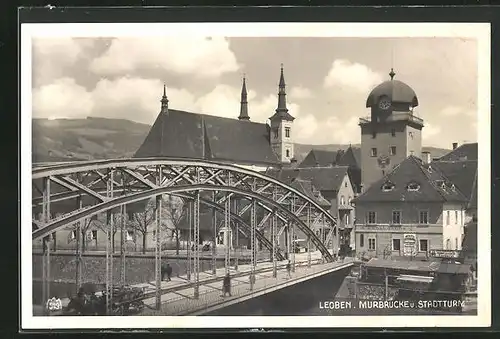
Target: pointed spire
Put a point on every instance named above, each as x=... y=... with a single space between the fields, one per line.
x=164 y=100
x=244 y=101
x=392 y=74
x=282 y=94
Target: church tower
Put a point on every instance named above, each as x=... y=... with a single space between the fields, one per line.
x=281 y=126
x=391 y=133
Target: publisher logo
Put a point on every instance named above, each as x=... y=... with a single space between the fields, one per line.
x=54 y=304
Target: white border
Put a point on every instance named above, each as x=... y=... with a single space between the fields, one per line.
x=479 y=31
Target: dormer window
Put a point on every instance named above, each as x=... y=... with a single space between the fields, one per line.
x=453 y=188
x=413 y=186
x=429 y=169
x=388 y=186
x=441 y=184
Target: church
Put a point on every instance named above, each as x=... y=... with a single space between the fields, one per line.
x=242 y=142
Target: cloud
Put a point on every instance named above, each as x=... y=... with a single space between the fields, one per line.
x=63 y=98
x=54 y=57
x=300 y=93
x=429 y=131
x=355 y=76
x=183 y=55
x=138 y=99
x=451 y=111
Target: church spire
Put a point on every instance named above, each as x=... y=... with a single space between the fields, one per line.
x=392 y=74
x=282 y=94
x=164 y=100
x=244 y=102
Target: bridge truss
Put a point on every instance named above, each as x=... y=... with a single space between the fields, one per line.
x=252 y=204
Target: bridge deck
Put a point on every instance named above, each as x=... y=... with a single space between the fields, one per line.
x=178 y=298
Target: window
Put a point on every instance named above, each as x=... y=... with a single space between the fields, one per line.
x=393 y=132
x=412 y=152
x=345 y=184
x=448 y=244
x=288 y=153
x=349 y=201
x=396 y=244
x=374 y=135
x=361 y=240
x=423 y=217
x=372 y=217
x=287 y=132
x=413 y=186
x=388 y=186
x=276 y=133
x=342 y=200
x=371 y=244
x=93 y=235
x=423 y=244
x=373 y=152
x=130 y=235
x=447 y=217
x=396 y=217
x=456 y=243
x=456 y=217
x=392 y=150
x=347 y=219
x=73 y=235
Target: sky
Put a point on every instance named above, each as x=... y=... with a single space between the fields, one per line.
x=328 y=80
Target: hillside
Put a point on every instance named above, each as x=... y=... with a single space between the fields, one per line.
x=100 y=138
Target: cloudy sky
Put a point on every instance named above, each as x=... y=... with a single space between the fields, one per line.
x=328 y=80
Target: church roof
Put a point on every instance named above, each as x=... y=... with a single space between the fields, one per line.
x=395 y=90
x=198 y=136
x=432 y=184
x=463 y=152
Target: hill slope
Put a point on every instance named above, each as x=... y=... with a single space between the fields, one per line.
x=101 y=138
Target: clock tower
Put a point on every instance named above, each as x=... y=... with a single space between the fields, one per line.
x=391 y=133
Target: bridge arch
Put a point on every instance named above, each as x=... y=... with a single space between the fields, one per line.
x=150 y=177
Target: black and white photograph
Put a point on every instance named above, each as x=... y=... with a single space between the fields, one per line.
x=216 y=174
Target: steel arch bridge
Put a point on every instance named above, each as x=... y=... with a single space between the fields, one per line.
x=108 y=186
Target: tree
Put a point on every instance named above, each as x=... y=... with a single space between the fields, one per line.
x=175 y=211
x=142 y=220
x=102 y=223
x=84 y=228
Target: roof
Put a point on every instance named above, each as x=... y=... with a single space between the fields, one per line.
x=307 y=188
x=469 y=242
x=412 y=170
x=473 y=198
x=463 y=152
x=396 y=90
x=460 y=173
x=317 y=157
x=199 y=136
x=413 y=265
x=322 y=178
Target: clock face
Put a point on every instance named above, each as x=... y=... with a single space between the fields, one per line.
x=384 y=104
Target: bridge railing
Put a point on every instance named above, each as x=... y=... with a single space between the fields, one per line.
x=240 y=286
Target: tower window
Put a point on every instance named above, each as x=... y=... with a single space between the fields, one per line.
x=374 y=135
x=393 y=132
x=373 y=152
x=288 y=153
x=287 y=132
x=392 y=150
x=276 y=133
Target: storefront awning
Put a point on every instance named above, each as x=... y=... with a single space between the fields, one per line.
x=415 y=278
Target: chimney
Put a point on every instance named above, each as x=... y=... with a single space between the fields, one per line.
x=426 y=157
x=455 y=144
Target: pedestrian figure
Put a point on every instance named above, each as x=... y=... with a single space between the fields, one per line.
x=289 y=269
x=226 y=285
x=168 y=270
x=164 y=271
